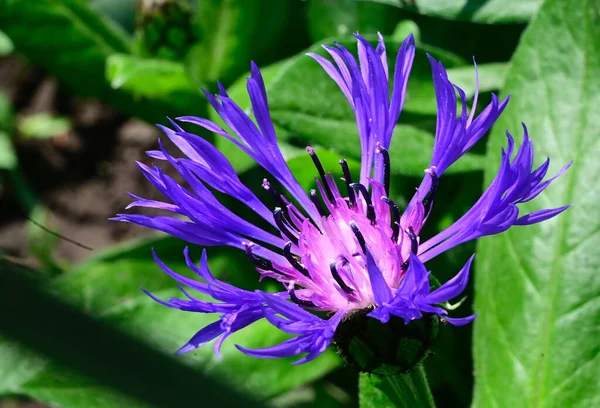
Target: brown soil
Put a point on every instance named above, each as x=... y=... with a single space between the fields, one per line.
x=81 y=177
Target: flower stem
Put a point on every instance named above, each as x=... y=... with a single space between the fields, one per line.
x=409 y=390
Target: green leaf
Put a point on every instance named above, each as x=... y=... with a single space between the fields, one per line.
x=538 y=292
x=408 y=390
x=108 y=287
x=234 y=32
x=340 y=18
x=66 y=38
x=43 y=126
x=479 y=11
x=24 y=365
x=8 y=155
x=6 y=45
x=72 y=43
x=155 y=80
x=7 y=116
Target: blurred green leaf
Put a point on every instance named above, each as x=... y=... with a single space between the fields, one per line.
x=479 y=11
x=6 y=45
x=66 y=38
x=72 y=43
x=108 y=287
x=43 y=126
x=154 y=79
x=24 y=365
x=491 y=77
x=403 y=29
x=233 y=32
x=7 y=116
x=8 y=155
x=408 y=390
x=341 y=18
x=538 y=292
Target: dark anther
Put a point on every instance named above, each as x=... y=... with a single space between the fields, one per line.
x=395 y=217
x=359 y=236
x=348 y=180
x=315 y=199
x=414 y=244
x=339 y=279
x=278 y=217
x=404 y=266
x=370 y=209
x=293 y=261
x=321 y=171
x=260 y=263
x=386 y=168
x=300 y=302
x=276 y=196
x=428 y=200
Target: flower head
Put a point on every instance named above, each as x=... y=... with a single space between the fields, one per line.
x=338 y=252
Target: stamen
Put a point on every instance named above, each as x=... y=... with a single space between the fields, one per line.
x=414 y=244
x=276 y=196
x=278 y=217
x=338 y=279
x=428 y=200
x=293 y=261
x=359 y=236
x=348 y=180
x=315 y=199
x=386 y=168
x=370 y=209
x=395 y=218
x=300 y=302
x=260 y=263
x=321 y=171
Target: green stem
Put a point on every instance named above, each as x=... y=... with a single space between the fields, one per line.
x=410 y=390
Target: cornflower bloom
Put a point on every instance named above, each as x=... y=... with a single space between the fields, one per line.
x=342 y=253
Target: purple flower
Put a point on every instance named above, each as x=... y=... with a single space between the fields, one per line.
x=337 y=252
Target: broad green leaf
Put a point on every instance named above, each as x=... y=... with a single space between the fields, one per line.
x=538 y=287
x=64 y=388
x=232 y=33
x=340 y=18
x=411 y=147
x=43 y=126
x=491 y=77
x=154 y=80
x=18 y=366
x=108 y=287
x=479 y=11
x=408 y=390
x=72 y=43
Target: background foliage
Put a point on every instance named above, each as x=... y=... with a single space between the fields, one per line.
x=79 y=333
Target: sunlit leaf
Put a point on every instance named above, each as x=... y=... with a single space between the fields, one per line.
x=537 y=287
